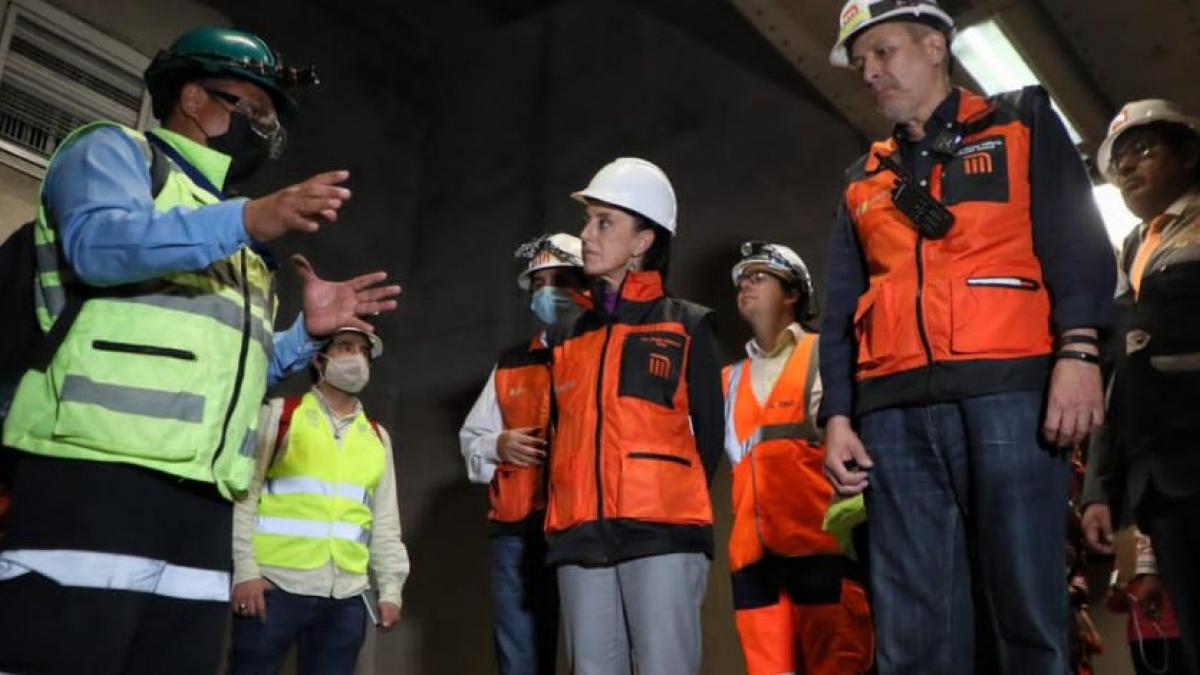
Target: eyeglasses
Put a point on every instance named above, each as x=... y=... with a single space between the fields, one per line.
x=1139 y=149
x=263 y=122
x=755 y=277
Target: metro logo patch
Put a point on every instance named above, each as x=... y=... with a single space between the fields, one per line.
x=850 y=12
x=988 y=145
x=977 y=173
x=1119 y=121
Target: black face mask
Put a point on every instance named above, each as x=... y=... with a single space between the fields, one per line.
x=248 y=149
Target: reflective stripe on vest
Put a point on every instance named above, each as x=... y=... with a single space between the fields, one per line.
x=762 y=433
x=93 y=569
x=166 y=373
x=312 y=529
x=134 y=400
x=318 y=496
x=779 y=492
x=293 y=485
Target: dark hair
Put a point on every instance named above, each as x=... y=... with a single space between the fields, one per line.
x=165 y=93
x=658 y=257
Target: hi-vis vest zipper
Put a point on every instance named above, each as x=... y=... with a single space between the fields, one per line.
x=780 y=494
x=168 y=373
x=317 y=498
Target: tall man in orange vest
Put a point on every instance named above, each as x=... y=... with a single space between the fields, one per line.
x=504 y=443
x=968 y=276
x=798 y=609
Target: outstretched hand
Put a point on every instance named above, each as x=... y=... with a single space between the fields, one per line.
x=329 y=305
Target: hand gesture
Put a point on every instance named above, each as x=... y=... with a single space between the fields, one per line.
x=329 y=305
x=296 y=208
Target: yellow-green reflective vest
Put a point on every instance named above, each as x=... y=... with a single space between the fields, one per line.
x=316 y=499
x=168 y=373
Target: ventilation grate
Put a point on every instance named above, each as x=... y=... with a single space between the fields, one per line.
x=52 y=81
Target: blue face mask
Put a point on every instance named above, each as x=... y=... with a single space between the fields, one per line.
x=552 y=304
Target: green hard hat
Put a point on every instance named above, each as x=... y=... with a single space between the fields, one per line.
x=224 y=52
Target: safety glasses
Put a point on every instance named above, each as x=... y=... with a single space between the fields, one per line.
x=263 y=122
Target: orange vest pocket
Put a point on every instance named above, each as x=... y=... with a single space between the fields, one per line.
x=571 y=499
x=791 y=495
x=1005 y=312
x=663 y=487
x=866 y=328
x=516 y=492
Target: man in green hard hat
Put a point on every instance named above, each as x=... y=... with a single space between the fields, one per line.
x=137 y=424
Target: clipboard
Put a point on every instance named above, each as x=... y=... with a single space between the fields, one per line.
x=370 y=600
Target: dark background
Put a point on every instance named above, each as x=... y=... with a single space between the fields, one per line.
x=465 y=126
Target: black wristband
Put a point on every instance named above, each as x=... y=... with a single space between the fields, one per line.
x=1078 y=340
x=1078 y=355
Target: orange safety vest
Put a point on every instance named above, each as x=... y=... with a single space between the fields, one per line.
x=623 y=448
x=974 y=299
x=523 y=394
x=780 y=493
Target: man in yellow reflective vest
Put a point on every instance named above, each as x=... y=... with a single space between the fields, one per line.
x=136 y=424
x=320 y=513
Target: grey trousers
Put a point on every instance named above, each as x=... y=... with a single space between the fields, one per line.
x=640 y=616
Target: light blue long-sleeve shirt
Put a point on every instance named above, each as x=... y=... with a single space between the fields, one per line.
x=98 y=192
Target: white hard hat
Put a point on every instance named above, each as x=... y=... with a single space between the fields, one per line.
x=1136 y=114
x=547 y=251
x=785 y=263
x=859 y=15
x=636 y=185
x=374 y=340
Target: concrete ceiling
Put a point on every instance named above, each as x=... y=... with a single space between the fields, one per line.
x=1093 y=55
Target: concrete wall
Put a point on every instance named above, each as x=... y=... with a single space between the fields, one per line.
x=465 y=125
x=467 y=142
x=18 y=199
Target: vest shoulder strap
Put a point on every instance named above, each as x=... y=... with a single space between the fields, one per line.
x=160 y=168
x=1018 y=104
x=285 y=422
x=43 y=353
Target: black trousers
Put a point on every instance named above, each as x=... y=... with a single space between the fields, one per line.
x=1174 y=528
x=47 y=627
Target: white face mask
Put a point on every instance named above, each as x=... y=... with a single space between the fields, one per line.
x=347 y=373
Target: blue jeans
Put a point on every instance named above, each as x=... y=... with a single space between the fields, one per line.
x=968 y=510
x=328 y=634
x=524 y=605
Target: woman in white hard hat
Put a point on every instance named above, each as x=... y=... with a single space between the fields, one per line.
x=1144 y=461
x=639 y=431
